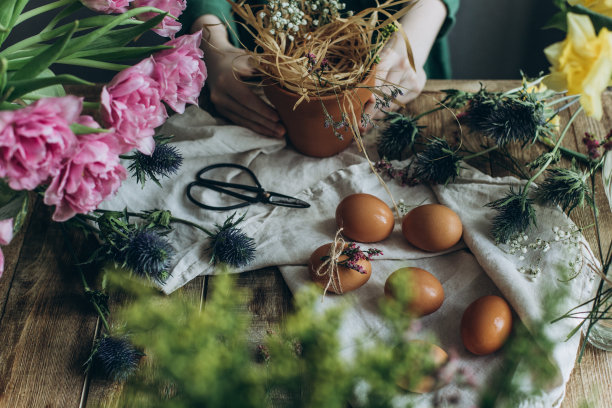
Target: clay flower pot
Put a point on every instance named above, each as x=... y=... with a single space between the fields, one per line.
x=306 y=124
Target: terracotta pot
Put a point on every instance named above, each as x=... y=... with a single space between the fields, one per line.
x=306 y=124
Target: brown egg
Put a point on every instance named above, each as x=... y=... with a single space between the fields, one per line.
x=432 y=227
x=348 y=279
x=486 y=325
x=424 y=291
x=428 y=381
x=364 y=218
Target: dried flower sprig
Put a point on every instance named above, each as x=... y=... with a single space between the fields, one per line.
x=346 y=43
x=354 y=254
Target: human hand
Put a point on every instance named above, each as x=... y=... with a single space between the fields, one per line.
x=232 y=98
x=394 y=70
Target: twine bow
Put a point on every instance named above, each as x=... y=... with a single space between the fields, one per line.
x=329 y=267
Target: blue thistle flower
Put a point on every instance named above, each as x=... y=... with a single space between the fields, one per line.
x=515 y=213
x=117 y=357
x=507 y=119
x=230 y=245
x=165 y=161
x=149 y=254
x=399 y=135
x=438 y=163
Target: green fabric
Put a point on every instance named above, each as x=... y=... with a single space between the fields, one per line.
x=438 y=65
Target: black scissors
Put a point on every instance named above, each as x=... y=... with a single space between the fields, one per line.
x=261 y=195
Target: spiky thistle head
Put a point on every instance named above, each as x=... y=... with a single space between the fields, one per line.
x=117 y=357
x=515 y=213
x=438 y=163
x=149 y=254
x=230 y=245
x=399 y=134
x=163 y=162
x=566 y=188
x=505 y=119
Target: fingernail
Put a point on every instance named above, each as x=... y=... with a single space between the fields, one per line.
x=280 y=130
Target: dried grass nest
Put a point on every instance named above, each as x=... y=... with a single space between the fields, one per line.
x=349 y=44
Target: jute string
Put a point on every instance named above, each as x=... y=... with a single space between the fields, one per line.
x=329 y=267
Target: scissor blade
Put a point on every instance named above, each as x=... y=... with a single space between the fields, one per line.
x=286 y=201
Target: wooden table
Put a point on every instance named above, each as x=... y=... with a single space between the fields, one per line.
x=47 y=326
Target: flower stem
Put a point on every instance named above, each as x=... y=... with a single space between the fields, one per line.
x=83 y=280
x=565 y=98
x=420 y=115
x=485 y=151
x=553 y=151
x=82 y=62
x=172 y=219
x=514 y=90
x=42 y=9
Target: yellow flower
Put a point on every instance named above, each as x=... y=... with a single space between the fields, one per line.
x=582 y=63
x=599 y=6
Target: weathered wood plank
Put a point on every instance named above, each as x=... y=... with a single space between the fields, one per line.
x=46 y=324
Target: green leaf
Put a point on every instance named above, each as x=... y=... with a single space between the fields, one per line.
x=10 y=10
x=42 y=61
x=123 y=36
x=48 y=92
x=3 y=76
x=119 y=53
x=79 y=129
x=85 y=40
x=13 y=204
x=599 y=21
x=558 y=21
x=84 y=24
x=20 y=88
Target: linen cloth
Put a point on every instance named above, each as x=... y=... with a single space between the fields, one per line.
x=286 y=237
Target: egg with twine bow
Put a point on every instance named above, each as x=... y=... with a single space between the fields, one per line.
x=339 y=267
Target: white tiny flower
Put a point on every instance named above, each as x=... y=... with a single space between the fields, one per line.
x=350 y=13
x=290 y=37
x=525 y=237
x=521 y=258
x=325 y=11
x=546 y=248
x=272 y=31
x=557 y=238
x=290 y=26
x=524 y=250
x=314 y=7
x=555 y=229
x=315 y=22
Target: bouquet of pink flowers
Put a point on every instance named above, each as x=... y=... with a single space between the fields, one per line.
x=47 y=144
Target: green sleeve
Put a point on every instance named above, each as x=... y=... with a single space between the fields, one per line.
x=451 y=6
x=219 y=8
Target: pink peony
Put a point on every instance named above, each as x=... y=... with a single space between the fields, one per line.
x=93 y=174
x=6 y=231
x=35 y=140
x=180 y=71
x=169 y=26
x=131 y=104
x=107 y=6
x=6 y=235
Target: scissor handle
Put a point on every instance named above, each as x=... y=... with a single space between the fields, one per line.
x=247 y=199
x=217 y=185
x=224 y=184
